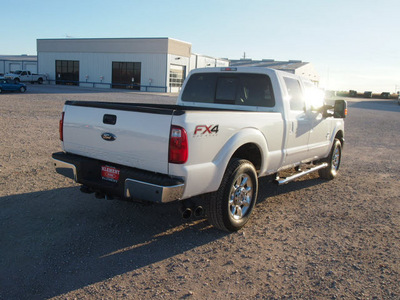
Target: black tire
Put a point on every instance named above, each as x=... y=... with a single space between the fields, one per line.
x=333 y=160
x=0 y=90
x=16 y=80
x=40 y=80
x=230 y=207
x=22 y=89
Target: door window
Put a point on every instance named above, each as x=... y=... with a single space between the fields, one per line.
x=295 y=93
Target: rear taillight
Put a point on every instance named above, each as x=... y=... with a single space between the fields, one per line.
x=178 y=146
x=61 y=127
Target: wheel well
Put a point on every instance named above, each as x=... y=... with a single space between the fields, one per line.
x=250 y=152
x=340 y=137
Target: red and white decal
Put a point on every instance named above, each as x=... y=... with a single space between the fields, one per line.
x=110 y=173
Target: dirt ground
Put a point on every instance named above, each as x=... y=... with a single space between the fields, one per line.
x=308 y=239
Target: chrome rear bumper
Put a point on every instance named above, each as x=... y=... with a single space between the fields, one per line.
x=133 y=183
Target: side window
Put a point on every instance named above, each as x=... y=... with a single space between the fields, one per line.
x=23 y=73
x=296 y=95
x=314 y=95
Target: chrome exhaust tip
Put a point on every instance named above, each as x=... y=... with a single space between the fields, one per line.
x=199 y=211
x=187 y=213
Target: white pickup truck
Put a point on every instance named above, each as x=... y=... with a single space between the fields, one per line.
x=229 y=127
x=25 y=76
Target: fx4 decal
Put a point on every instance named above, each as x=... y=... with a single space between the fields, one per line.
x=201 y=130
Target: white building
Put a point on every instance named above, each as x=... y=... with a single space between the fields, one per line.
x=298 y=67
x=146 y=64
x=11 y=63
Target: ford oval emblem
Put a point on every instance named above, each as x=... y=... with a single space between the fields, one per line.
x=108 y=136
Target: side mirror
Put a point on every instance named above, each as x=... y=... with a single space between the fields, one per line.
x=340 y=109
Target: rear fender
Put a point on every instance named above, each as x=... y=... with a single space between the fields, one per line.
x=206 y=177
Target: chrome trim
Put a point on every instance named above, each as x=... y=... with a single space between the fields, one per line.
x=152 y=192
x=65 y=169
x=107 y=136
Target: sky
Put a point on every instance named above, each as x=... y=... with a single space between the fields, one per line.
x=353 y=44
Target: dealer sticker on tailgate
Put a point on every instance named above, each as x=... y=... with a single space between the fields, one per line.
x=109 y=173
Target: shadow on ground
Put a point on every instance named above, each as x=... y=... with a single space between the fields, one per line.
x=56 y=241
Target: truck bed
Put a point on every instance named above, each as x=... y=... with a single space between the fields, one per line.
x=131 y=134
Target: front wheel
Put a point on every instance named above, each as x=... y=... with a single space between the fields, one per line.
x=22 y=89
x=230 y=207
x=16 y=80
x=333 y=161
x=40 y=80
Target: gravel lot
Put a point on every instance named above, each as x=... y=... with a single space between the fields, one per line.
x=308 y=239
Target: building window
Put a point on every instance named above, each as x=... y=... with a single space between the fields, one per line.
x=176 y=75
x=67 y=72
x=126 y=75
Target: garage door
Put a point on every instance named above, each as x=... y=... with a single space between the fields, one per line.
x=15 y=67
x=176 y=77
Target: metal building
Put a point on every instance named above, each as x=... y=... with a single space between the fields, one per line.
x=11 y=63
x=146 y=64
x=298 y=67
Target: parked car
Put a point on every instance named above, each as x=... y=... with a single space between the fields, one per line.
x=10 y=85
x=26 y=76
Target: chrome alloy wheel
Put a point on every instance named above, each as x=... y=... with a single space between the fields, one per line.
x=336 y=159
x=240 y=196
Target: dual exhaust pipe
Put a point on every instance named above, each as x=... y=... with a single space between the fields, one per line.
x=197 y=212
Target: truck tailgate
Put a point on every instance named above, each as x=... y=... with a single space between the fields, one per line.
x=138 y=139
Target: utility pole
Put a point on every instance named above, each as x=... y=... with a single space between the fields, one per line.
x=244 y=55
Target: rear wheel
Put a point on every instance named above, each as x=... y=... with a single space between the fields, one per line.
x=40 y=80
x=22 y=89
x=230 y=207
x=0 y=90
x=333 y=161
x=16 y=80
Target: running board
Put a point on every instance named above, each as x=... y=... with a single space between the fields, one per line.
x=295 y=176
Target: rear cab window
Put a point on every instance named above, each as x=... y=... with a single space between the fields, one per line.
x=227 y=88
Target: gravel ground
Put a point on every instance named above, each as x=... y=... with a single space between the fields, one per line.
x=308 y=239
